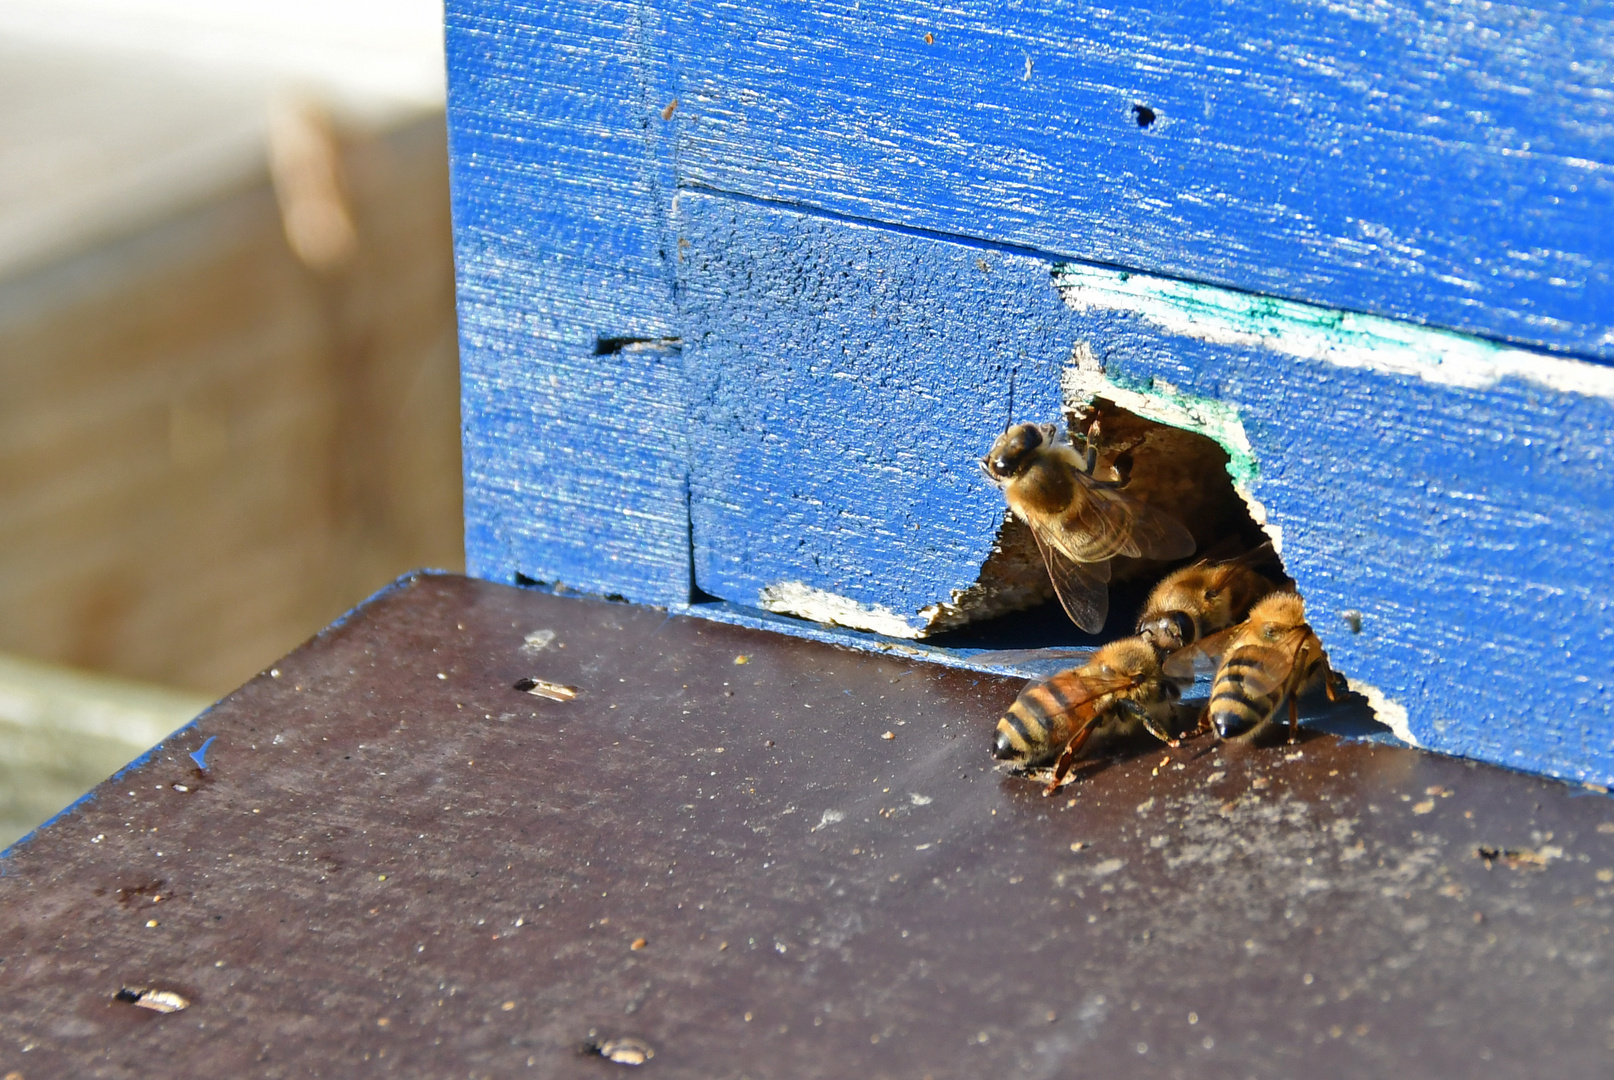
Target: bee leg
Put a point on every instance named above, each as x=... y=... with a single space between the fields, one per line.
x=1205 y=725
x=1150 y=724
x=1090 y=456
x=1334 y=684
x=1067 y=759
x=1294 y=718
x=1123 y=461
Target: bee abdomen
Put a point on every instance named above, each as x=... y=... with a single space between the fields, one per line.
x=1021 y=735
x=1242 y=695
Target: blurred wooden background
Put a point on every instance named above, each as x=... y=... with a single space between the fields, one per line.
x=211 y=444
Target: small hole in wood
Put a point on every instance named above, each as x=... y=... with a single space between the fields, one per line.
x=1144 y=115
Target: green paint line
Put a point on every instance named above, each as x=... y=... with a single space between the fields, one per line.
x=1310 y=332
x=1158 y=400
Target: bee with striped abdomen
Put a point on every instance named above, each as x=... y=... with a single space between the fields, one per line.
x=1270 y=658
x=1080 y=521
x=1054 y=719
x=1203 y=599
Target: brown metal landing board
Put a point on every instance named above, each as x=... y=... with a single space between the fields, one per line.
x=397 y=865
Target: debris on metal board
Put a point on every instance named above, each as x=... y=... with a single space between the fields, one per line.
x=199 y=755
x=624 y=1051
x=1519 y=858
x=161 y=1001
x=550 y=691
x=537 y=640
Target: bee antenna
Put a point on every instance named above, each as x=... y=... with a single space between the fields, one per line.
x=1009 y=420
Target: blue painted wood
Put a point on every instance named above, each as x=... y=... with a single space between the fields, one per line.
x=1447 y=163
x=809 y=390
x=574 y=462
x=844 y=381
x=1472 y=529
x=848 y=377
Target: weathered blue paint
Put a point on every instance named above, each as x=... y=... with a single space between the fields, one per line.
x=574 y=462
x=1445 y=163
x=1472 y=528
x=785 y=372
x=844 y=381
x=1468 y=525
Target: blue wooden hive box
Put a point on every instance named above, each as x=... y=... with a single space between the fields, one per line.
x=746 y=290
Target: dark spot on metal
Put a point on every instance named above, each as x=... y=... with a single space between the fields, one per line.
x=1144 y=115
x=127 y=894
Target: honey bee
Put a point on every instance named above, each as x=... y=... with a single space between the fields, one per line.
x=1271 y=657
x=1203 y=599
x=1080 y=521
x=1056 y=717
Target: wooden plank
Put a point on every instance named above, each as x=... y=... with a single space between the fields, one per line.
x=843 y=382
x=574 y=472
x=1450 y=165
x=842 y=360
x=207 y=450
x=847 y=377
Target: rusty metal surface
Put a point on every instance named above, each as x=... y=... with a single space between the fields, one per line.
x=396 y=864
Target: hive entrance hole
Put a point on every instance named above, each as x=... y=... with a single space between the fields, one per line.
x=1177 y=471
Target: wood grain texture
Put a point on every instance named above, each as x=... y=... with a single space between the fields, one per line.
x=1447 y=163
x=207 y=451
x=843 y=358
x=1471 y=528
x=835 y=437
x=573 y=468
x=844 y=381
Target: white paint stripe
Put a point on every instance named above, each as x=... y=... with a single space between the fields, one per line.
x=1309 y=332
x=1389 y=713
x=800 y=599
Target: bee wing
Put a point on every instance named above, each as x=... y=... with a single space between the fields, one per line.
x=1286 y=670
x=1201 y=656
x=1082 y=587
x=1155 y=534
x=1075 y=691
x=1224 y=571
x=1103 y=522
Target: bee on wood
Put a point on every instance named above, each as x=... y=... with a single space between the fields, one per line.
x=1203 y=599
x=1080 y=521
x=1056 y=717
x=1271 y=657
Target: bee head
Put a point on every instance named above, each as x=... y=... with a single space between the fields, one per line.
x=1169 y=632
x=1013 y=451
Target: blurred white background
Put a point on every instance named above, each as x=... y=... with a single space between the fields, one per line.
x=365 y=50
x=228 y=364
